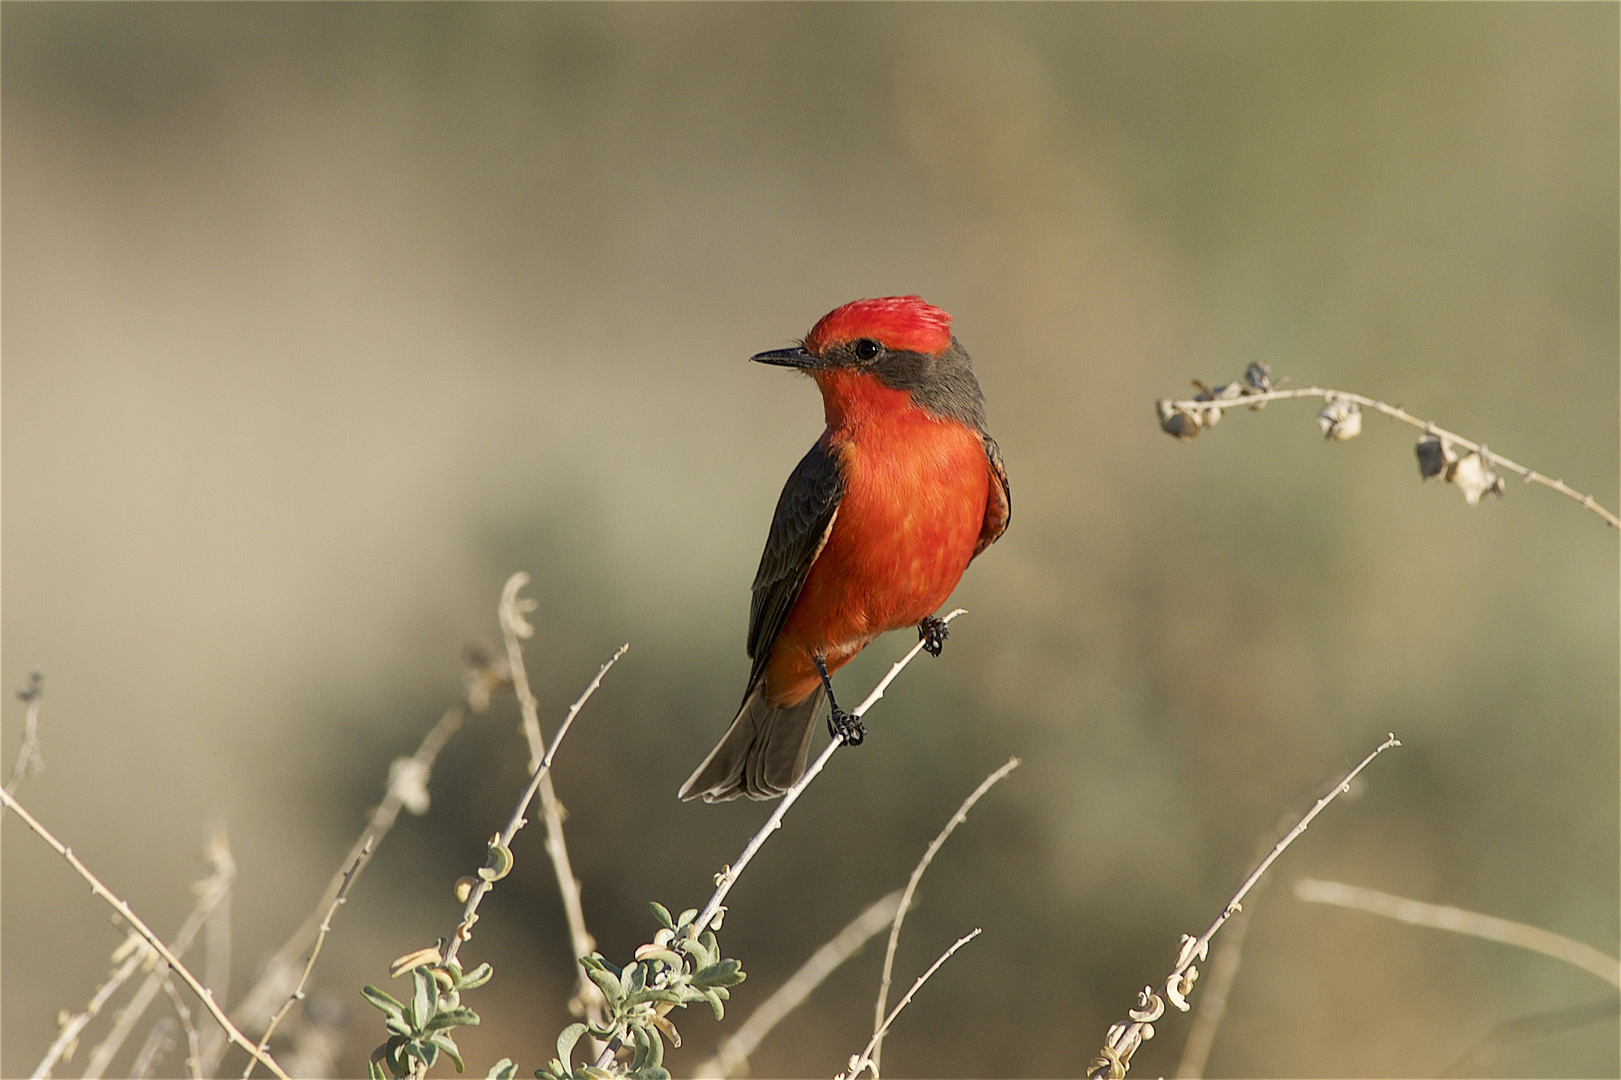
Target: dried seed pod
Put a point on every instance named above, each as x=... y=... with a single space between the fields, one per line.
x=1180 y=423
x=1258 y=379
x=1340 y=419
x=1435 y=456
x=1475 y=478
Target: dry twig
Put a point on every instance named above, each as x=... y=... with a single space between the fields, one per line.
x=501 y=843
x=514 y=627
x=211 y=892
x=906 y=902
x=1123 y=1040
x=297 y=994
x=156 y=943
x=1459 y=921
x=734 y=1053
x=193 y=1061
x=863 y=1061
x=729 y=874
x=1341 y=421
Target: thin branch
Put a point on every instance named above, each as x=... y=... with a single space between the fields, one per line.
x=1459 y=921
x=133 y=953
x=123 y=908
x=503 y=839
x=212 y=892
x=193 y=1058
x=864 y=1059
x=1529 y=1027
x=408 y=778
x=320 y=939
x=734 y=1053
x=1198 y=408
x=1212 y=1007
x=728 y=876
x=29 y=759
x=1123 y=1040
x=514 y=628
x=906 y=900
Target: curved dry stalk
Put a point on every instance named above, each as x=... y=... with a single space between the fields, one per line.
x=515 y=627
x=159 y=1041
x=156 y=943
x=503 y=839
x=863 y=1060
x=729 y=874
x=1122 y=1042
x=906 y=900
x=1459 y=921
x=320 y=939
x=734 y=1053
x=1196 y=409
x=212 y=893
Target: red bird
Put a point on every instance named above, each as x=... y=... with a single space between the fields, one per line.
x=872 y=532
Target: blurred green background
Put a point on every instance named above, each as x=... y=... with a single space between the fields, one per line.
x=319 y=321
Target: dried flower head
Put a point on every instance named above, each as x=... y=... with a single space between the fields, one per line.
x=1340 y=419
x=1474 y=477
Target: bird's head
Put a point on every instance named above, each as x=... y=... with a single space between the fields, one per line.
x=886 y=353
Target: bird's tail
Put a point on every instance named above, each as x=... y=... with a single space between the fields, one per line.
x=761 y=754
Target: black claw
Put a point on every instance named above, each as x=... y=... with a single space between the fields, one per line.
x=933 y=632
x=841 y=724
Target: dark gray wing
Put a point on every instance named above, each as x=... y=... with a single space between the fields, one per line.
x=999 y=506
x=804 y=518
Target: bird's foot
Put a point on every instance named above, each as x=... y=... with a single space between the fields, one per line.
x=933 y=632
x=846 y=726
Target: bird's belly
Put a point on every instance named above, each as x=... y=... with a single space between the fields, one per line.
x=913 y=508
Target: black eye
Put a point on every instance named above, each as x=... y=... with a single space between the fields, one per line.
x=867 y=348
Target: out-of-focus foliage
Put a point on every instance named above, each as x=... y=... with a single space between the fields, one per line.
x=320 y=320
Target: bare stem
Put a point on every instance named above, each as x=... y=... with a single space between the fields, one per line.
x=906 y=901
x=728 y=876
x=320 y=939
x=734 y=1053
x=1459 y=921
x=1530 y=476
x=464 y=929
x=193 y=1059
x=212 y=893
x=134 y=953
x=864 y=1059
x=123 y=908
x=515 y=627
x=1123 y=1040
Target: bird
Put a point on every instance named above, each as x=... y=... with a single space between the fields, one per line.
x=872 y=532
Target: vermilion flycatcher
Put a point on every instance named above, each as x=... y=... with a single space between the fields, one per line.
x=872 y=532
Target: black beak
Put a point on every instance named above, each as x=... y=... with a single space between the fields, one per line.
x=794 y=357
